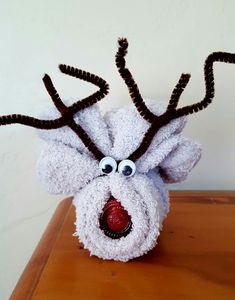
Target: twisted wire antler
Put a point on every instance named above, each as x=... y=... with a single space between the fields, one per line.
x=156 y=122
x=67 y=112
x=130 y=82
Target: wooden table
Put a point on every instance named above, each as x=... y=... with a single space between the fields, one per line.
x=194 y=259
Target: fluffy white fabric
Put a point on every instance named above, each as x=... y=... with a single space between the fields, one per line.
x=138 y=196
x=64 y=170
x=127 y=129
x=65 y=166
x=180 y=161
x=91 y=121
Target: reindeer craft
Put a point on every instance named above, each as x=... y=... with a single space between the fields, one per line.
x=116 y=166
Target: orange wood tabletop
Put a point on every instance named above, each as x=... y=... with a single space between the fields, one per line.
x=194 y=257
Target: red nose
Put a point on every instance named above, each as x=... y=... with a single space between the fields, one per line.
x=115 y=216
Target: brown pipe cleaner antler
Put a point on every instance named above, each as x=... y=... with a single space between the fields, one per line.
x=67 y=112
x=171 y=112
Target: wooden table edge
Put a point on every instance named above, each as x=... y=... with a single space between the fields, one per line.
x=27 y=283
x=25 y=287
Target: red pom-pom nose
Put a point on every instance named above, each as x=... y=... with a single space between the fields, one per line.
x=115 y=216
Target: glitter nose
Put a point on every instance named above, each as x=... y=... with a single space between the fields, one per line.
x=115 y=218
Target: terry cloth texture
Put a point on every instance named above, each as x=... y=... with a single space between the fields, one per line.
x=65 y=166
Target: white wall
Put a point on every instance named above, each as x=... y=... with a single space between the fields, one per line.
x=166 y=38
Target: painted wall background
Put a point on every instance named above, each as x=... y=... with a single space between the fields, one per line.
x=166 y=38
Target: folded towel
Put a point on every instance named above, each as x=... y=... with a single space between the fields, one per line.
x=65 y=166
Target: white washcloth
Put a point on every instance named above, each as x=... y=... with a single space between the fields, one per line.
x=65 y=166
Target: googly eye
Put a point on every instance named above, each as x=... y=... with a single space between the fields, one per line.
x=108 y=165
x=127 y=168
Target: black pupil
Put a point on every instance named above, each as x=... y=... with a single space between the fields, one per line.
x=127 y=171
x=107 y=169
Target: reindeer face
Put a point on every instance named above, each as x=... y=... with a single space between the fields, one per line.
x=120 y=204
x=116 y=165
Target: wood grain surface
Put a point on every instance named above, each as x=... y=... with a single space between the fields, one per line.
x=32 y=273
x=194 y=258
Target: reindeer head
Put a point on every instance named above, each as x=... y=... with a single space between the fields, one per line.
x=116 y=165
